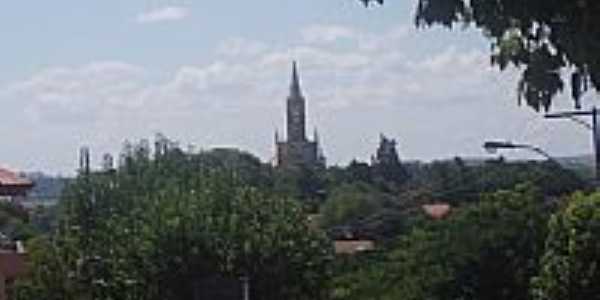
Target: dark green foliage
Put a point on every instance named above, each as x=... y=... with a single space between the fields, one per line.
x=356 y=173
x=44 y=218
x=367 y=209
x=487 y=250
x=246 y=166
x=357 y=277
x=155 y=227
x=388 y=177
x=160 y=223
x=455 y=182
x=348 y=204
x=48 y=272
x=569 y=267
x=544 y=38
x=15 y=222
x=305 y=184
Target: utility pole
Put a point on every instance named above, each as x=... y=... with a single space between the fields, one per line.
x=594 y=128
x=245 y=280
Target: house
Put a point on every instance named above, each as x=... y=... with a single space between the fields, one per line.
x=437 y=211
x=350 y=247
x=13 y=187
x=345 y=240
x=12 y=265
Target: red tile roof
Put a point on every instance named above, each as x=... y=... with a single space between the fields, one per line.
x=8 y=178
x=437 y=211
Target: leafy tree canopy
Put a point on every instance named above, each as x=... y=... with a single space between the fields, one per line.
x=153 y=228
x=350 y=203
x=569 y=267
x=548 y=39
x=488 y=250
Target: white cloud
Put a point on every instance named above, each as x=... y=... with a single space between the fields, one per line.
x=377 y=83
x=164 y=14
x=386 y=41
x=76 y=88
x=327 y=33
x=240 y=47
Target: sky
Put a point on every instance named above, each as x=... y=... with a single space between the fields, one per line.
x=216 y=74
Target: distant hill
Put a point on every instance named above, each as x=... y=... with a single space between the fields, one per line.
x=581 y=164
x=47 y=189
x=586 y=160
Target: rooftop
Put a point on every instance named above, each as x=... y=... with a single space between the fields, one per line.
x=8 y=178
x=353 y=247
x=437 y=211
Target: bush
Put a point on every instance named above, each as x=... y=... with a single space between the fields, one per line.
x=569 y=267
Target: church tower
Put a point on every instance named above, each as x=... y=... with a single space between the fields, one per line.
x=297 y=151
x=296 y=110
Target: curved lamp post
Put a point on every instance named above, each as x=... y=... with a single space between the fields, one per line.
x=493 y=146
x=594 y=127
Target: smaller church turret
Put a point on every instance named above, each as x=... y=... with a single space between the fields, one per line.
x=386 y=161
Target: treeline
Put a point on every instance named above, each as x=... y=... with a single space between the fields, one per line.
x=159 y=226
x=509 y=245
x=359 y=200
x=164 y=220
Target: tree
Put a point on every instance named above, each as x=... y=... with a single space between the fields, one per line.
x=456 y=183
x=246 y=167
x=303 y=183
x=351 y=203
x=569 y=267
x=156 y=227
x=48 y=274
x=487 y=250
x=547 y=38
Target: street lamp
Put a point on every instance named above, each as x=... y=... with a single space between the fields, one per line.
x=594 y=127
x=493 y=146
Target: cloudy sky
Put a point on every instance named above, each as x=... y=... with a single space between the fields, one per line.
x=216 y=73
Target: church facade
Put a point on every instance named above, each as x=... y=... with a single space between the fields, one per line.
x=297 y=151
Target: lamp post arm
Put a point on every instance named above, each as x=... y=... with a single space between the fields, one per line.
x=581 y=122
x=594 y=127
x=542 y=153
x=493 y=145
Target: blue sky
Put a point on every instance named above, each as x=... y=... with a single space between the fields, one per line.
x=215 y=73
x=47 y=33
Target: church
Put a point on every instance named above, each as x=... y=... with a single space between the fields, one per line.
x=297 y=151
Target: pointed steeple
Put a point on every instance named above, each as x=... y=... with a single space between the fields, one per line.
x=295 y=85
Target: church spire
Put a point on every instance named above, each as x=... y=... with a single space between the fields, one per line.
x=295 y=85
x=297 y=150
